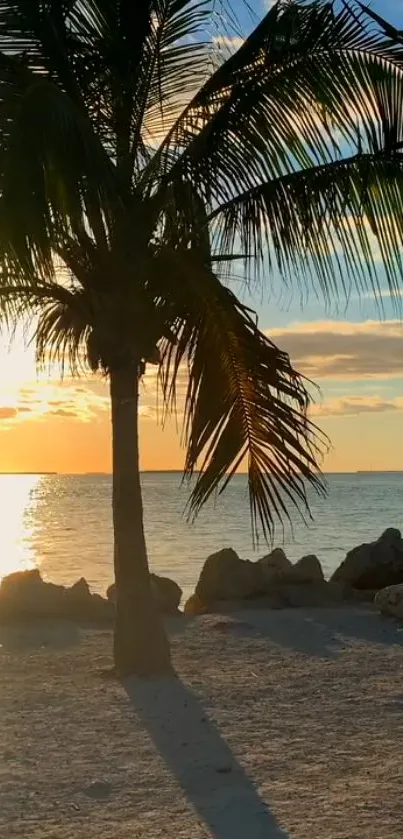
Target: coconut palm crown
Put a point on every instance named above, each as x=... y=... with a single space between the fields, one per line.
x=142 y=162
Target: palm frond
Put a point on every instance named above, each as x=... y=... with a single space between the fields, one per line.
x=55 y=176
x=340 y=225
x=176 y=61
x=61 y=336
x=306 y=76
x=245 y=405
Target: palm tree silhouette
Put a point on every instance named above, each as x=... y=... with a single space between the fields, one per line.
x=140 y=158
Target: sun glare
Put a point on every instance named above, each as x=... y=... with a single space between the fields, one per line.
x=16 y=529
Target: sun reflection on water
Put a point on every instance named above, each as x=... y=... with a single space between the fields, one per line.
x=16 y=524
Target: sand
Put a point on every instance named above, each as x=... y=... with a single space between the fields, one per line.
x=281 y=725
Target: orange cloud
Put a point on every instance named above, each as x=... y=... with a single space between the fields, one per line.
x=8 y=413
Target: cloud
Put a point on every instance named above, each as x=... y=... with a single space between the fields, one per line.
x=8 y=413
x=344 y=350
x=228 y=42
x=354 y=405
x=12 y=412
x=65 y=412
x=36 y=400
x=382 y=294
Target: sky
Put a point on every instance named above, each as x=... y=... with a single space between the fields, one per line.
x=351 y=351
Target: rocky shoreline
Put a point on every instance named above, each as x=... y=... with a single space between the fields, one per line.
x=372 y=572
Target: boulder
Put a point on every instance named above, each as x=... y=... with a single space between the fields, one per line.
x=194 y=606
x=25 y=596
x=81 y=604
x=389 y=601
x=225 y=576
x=166 y=592
x=375 y=565
x=274 y=568
x=308 y=570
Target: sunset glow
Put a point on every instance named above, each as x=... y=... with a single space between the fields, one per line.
x=47 y=424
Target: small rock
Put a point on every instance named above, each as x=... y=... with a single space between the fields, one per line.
x=98 y=790
x=389 y=601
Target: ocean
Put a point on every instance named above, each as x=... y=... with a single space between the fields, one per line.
x=62 y=524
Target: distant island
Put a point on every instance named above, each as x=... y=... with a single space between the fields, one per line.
x=28 y=473
x=379 y=472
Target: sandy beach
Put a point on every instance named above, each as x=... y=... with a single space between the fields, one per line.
x=281 y=725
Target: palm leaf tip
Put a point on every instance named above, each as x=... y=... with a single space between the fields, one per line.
x=245 y=405
x=269 y=434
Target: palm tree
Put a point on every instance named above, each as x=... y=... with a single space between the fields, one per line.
x=139 y=159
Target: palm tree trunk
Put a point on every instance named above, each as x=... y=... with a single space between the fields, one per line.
x=140 y=644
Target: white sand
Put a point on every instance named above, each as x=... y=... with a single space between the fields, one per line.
x=282 y=725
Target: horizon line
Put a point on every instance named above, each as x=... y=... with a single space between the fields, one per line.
x=41 y=472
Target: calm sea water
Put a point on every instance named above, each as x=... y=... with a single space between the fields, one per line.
x=62 y=524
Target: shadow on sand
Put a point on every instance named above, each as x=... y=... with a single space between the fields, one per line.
x=55 y=635
x=213 y=781
x=324 y=633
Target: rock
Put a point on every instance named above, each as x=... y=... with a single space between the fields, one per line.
x=274 y=568
x=99 y=790
x=225 y=576
x=25 y=596
x=389 y=601
x=166 y=592
x=111 y=592
x=308 y=570
x=194 y=606
x=80 y=590
x=81 y=604
x=375 y=565
x=391 y=536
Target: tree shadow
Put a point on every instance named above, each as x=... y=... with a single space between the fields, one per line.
x=324 y=633
x=192 y=747
x=23 y=637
